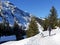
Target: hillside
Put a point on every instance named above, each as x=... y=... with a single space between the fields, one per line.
x=38 y=40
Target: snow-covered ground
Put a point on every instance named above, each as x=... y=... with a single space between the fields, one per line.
x=7 y=38
x=54 y=39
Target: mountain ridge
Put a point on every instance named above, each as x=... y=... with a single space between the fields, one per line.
x=10 y=13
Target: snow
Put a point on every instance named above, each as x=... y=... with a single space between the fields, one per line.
x=21 y=42
x=27 y=26
x=38 y=40
x=40 y=27
x=7 y=38
x=7 y=3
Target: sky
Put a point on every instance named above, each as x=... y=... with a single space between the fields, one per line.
x=39 y=8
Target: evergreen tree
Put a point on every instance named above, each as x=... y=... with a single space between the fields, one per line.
x=59 y=23
x=33 y=28
x=18 y=32
x=8 y=30
x=0 y=30
x=3 y=29
x=16 y=28
x=53 y=17
x=45 y=24
x=51 y=20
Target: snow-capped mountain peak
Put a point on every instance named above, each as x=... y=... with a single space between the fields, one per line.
x=10 y=13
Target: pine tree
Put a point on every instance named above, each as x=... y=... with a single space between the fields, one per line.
x=59 y=23
x=18 y=31
x=3 y=29
x=0 y=30
x=16 y=28
x=53 y=17
x=33 y=28
x=8 y=30
x=45 y=24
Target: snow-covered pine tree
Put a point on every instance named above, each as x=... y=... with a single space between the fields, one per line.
x=33 y=28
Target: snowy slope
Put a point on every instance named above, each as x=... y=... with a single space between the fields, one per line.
x=40 y=28
x=21 y=42
x=7 y=38
x=38 y=40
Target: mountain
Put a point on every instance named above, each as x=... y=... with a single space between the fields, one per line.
x=14 y=21
x=9 y=13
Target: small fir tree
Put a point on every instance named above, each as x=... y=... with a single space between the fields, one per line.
x=33 y=28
